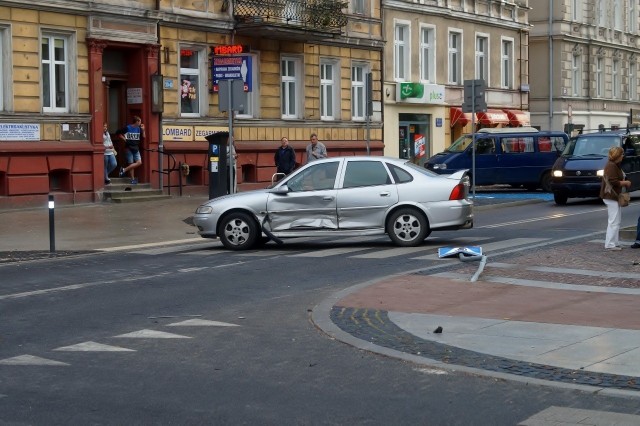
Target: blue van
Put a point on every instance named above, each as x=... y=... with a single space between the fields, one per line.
x=579 y=170
x=519 y=156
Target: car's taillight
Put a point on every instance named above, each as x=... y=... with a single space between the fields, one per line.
x=457 y=193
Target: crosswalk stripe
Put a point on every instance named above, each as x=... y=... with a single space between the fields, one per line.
x=497 y=245
x=152 y=334
x=201 y=323
x=93 y=347
x=330 y=252
x=398 y=251
x=30 y=360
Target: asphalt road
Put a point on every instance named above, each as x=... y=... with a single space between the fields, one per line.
x=262 y=361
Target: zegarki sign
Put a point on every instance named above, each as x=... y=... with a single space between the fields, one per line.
x=226 y=67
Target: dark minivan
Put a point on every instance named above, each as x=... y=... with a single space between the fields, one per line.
x=517 y=156
x=578 y=172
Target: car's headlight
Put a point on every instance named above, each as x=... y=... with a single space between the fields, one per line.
x=204 y=210
x=557 y=173
x=440 y=166
x=600 y=173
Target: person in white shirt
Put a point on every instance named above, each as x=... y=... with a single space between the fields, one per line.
x=110 y=162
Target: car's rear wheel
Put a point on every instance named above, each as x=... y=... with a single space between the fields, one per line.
x=560 y=198
x=407 y=227
x=238 y=231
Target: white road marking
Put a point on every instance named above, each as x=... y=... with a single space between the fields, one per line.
x=79 y=286
x=537 y=219
x=201 y=322
x=93 y=347
x=152 y=334
x=330 y=252
x=161 y=243
x=398 y=251
x=30 y=360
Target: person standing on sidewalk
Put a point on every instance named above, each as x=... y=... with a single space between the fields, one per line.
x=133 y=134
x=285 y=157
x=315 y=150
x=110 y=162
x=612 y=184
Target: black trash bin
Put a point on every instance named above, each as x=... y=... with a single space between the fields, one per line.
x=217 y=164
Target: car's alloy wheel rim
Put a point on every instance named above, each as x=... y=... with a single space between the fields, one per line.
x=407 y=227
x=237 y=231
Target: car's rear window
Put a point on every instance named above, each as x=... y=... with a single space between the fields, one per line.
x=399 y=175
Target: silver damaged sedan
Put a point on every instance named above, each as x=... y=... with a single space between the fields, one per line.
x=342 y=196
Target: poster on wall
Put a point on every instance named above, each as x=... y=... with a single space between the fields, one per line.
x=419 y=145
x=19 y=132
x=134 y=95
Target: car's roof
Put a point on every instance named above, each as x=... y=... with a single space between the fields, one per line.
x=622 y=132
x=364 y=158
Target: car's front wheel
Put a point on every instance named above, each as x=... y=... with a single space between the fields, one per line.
x=407 y=227
x=560 y=198
x=238 y=231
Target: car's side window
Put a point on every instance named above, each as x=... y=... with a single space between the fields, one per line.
x=399 y=175
x=365 y=173
x=315 y=178
x=485 y=146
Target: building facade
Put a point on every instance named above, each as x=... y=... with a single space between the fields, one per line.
x=432 y=47
x=587 y=55
x=69 y=67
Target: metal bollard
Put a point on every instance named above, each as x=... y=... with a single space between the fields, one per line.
x=52 y=230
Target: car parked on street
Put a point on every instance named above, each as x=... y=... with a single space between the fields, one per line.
x=578 y=171
x=516 y=156
x=342 y=196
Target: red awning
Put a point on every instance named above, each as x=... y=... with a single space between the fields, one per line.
x=493 y=117
x=458 y=117
x=518 y=118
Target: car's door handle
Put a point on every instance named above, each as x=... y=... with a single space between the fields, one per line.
x=384 y=194
x=327 y=198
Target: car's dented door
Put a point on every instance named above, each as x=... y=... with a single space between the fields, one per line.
x=310 y=203
x=366 y=195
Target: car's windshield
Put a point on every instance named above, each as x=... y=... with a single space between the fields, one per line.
x=461 y=144
x=591 y=145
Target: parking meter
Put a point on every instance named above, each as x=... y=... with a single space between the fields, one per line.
x=217 y=164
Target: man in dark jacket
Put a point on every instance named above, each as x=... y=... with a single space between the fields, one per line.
x=285 y=157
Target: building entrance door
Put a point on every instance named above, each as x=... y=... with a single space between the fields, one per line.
x=414 y=136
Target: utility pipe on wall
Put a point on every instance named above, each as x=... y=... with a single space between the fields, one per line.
x=549 y=30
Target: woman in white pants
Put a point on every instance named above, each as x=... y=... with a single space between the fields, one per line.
x=612 y=184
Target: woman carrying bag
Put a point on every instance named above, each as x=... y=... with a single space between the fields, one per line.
x=612 y=185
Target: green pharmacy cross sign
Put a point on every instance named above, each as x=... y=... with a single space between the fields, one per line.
x=411 y=90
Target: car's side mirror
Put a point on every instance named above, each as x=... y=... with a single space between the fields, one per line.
x=280 y=190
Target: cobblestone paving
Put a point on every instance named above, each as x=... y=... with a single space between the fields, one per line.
x=375 y=326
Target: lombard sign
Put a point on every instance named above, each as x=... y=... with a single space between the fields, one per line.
x=420 y=93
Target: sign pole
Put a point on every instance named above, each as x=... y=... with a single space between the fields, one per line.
x=231 y=159
x=473 y=140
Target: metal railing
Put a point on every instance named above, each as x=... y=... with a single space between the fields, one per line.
x=323 y=15
x=172 y=162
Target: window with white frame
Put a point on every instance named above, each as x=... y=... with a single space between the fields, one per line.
x=576 y=75
x=192 y=88
x=359 y=7
x=615 y=79
x=618 y=23
x=633 y=81
x=427 y=54
x=358 y=91
x=482 y=55
x=401 y=52
x=602 y=14
x=599 y=77
x=455 y=57
x=55 y=72
x=576 y=10
x=633 y=16
x=291 y=82
x=328 y=90
x=506 y=60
